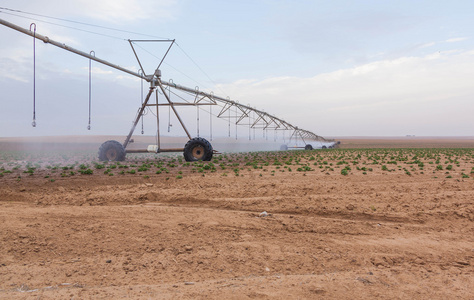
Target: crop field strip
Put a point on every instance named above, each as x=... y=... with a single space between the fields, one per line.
x=445 y=163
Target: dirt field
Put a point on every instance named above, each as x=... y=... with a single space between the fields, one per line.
x=339 y=224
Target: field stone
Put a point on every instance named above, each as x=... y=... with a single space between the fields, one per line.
x=419 y=261
x=364 y=280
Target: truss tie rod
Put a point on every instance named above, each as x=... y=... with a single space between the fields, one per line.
x=231 y=103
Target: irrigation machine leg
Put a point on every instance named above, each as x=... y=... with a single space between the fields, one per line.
x=174 y=110
x=304 y=142
x=140 y=113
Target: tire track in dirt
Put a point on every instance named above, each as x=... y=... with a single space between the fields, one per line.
x=216 y=204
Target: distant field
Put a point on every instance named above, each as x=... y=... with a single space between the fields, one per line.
x=92 y=143
x=406 y=142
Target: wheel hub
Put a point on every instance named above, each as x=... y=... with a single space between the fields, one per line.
x=111 y=154
x=198 y=152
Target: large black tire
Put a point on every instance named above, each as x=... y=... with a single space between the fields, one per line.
x=283 y=147
x=112 y=151
x=308 y=147
x=324 y=147
x=198 y=149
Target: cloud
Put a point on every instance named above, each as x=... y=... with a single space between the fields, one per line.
x=360 y=98
x=100 y=71
x=427 y=45
x=454 y=40
x=315 y=31
x=118 y=11
x=112 y=11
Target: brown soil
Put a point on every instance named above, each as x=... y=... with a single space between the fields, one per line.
x=382 y=234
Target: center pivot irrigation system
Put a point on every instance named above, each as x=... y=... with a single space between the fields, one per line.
x=196 y=148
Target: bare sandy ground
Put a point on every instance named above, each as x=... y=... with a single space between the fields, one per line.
x=369 y=234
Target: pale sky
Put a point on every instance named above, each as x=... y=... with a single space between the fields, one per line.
x=336 y=68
